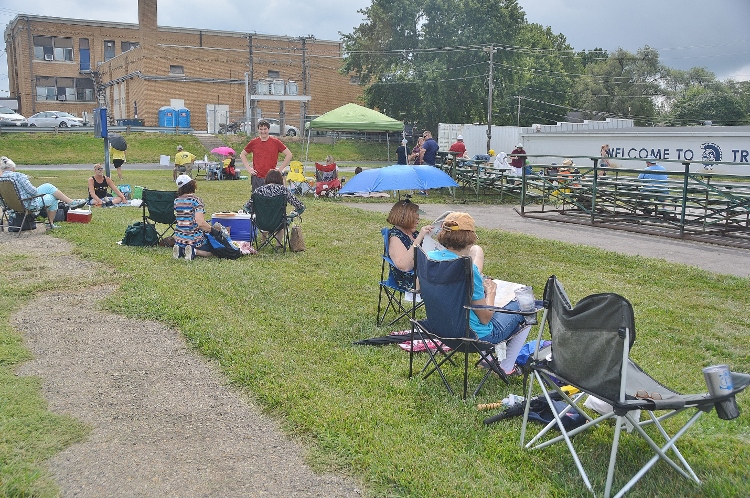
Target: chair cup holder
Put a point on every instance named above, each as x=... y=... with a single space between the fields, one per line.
x=727 y=409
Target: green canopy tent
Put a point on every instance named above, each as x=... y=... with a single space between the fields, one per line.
x=353 y=117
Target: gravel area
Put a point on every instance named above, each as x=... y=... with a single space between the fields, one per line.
x=164 y=423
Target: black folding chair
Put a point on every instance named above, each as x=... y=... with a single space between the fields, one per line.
x=158 y=206
x=271 y=220
x=591 y=343
x=446 y=288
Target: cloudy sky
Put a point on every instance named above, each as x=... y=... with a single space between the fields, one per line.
x=687 y=33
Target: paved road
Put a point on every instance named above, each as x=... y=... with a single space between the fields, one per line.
x=717 y=259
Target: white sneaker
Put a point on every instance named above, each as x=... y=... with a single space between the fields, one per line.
x=176 y=252
x=189 y=253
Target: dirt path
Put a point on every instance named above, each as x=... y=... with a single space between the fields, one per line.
x=163 y=421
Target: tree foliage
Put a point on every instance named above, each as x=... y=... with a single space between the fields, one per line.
x=623 y=85
x=427 y=62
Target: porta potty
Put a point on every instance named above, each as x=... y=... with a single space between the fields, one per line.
x=167 y=117
x=183 y=118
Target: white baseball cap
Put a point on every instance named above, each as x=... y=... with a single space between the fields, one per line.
x=183 y=180
x=460 y=137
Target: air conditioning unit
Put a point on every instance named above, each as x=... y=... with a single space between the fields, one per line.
x=61 y=97
x=49 y=57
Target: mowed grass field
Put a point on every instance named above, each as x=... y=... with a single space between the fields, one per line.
x=281 y=329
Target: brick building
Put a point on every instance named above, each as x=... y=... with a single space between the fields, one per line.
x=76 y=65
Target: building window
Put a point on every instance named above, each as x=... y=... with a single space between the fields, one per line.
x=177 y=70
x=53 y=48
x=109 y=49
x=64 y=89
x=46 y=88
x=273 y=74
x=85 y=89
x=84 y=54
x=125 y=46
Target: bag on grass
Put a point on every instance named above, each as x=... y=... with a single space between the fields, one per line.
x=62 y=212
x=296 y=239
x=222 y=246
x=140 y=234
x=15 y=219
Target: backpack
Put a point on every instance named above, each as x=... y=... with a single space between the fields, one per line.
x=222 y=246
x=15 y=219
x=140 y=234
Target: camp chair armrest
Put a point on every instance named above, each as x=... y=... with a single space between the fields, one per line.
x=537 y=307
x=37 y=196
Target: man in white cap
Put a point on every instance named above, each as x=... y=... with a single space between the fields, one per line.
x=517 y=160
x=655 y=178
x=458 y=146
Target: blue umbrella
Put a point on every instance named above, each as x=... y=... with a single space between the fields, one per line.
x=398 y=177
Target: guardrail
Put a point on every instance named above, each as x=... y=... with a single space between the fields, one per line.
x=90 y=129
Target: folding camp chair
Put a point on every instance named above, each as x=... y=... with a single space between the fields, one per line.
x=10 y=200
x=298 y=183
x=396 y=288
x=591 y=343
x=271 y=220
x=158 y=206
x=446 y=288
x=327 y=180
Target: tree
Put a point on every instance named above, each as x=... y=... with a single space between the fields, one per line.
x=428 y=60
x=624 y=85
x=715 y=104
x=544 y=76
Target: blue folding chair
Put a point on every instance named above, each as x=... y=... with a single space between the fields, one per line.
x=394 y=287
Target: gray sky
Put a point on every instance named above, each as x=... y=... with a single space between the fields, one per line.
x=687 y=33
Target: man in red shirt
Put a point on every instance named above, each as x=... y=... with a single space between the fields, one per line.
x=518 y=161
x=265 y=150
x=459 y=147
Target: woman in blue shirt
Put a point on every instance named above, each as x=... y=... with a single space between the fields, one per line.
x=458 y=236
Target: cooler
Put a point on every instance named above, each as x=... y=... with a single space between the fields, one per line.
x=79 y=215
x=240 y=226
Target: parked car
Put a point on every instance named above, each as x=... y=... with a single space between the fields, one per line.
x=54 y=119
x=9 y=117
x=290 y=131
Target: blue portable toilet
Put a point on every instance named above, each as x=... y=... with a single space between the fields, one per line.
x=183 y=118
x=167 y=117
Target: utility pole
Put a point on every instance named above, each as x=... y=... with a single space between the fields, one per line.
x=518 y=114
x=249 y=105
x=491 y=50
x=305 y=80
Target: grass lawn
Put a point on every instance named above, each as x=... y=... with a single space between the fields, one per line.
x=281 y=328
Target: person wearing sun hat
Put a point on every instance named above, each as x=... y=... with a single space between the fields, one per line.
x=458 y=236
x=459 y=147
x=191 y=226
